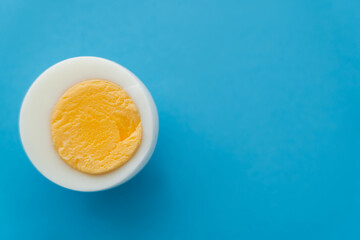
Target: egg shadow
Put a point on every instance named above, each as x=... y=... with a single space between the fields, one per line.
x=134 y=202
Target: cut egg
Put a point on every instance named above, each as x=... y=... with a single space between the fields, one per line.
x=88 y=124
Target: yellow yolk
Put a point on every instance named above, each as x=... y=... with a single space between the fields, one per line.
x=96 y=127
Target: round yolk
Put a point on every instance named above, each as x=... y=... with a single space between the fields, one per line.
x=96 y=127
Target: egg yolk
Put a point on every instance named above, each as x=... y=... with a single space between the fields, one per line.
x=96 y=127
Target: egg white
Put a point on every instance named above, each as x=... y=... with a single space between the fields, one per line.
x=35 y=117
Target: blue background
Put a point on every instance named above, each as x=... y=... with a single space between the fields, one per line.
x=259 y=118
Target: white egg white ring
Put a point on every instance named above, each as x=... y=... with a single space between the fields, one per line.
x=35 y=117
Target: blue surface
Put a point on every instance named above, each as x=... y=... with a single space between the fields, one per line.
x=259 y=118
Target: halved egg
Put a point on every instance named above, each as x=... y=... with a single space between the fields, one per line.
x=88 y=124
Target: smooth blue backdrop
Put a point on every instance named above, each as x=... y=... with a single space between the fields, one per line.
x=259 y=118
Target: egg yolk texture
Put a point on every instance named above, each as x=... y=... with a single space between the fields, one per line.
x=96 y=127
